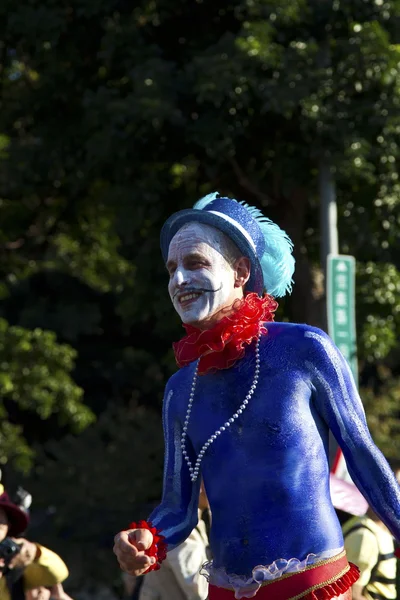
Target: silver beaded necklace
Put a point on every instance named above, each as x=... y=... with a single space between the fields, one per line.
x=194 y=470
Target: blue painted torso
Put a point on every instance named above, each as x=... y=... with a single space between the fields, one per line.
x=267 y=476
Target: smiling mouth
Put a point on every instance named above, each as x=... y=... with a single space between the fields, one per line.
x=185 y=298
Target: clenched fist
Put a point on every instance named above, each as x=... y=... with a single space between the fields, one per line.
x=130 y=547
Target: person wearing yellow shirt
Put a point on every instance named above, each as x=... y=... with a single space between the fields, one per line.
x=37 y=566
x=369 y=544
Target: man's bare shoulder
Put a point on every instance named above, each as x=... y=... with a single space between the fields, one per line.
x=181 y=376
x=296 y=340
x=294 y=331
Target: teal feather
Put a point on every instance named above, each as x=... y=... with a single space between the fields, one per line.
x=277 y=262
x=202 y=203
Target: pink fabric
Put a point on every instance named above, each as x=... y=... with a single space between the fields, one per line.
x=345 y=496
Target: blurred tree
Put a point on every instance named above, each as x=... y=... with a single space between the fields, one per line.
x=383 y=413
x=113 y=116
x=103 y=135
x=111 y=472
x=35 y=378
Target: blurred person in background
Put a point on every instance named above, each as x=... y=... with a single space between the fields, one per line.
x=25 y=567
x=250 y=411
x=130 y=585
x=55 y=592
x=370 y=545
x=180 y=577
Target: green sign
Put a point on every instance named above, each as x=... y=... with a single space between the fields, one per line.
x=341 y=306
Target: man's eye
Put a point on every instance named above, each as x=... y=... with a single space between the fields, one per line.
x=196 y=264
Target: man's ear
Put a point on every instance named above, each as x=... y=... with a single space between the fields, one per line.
x=242 y=271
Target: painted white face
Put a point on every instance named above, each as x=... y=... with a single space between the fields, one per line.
x=202 y=281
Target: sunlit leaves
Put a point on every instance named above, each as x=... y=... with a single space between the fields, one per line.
x=379 y=288
x=286 y=13
x=35 y=375
x=90 y=251
x=14 y=447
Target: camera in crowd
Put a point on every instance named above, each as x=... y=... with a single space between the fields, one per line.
x=8 y=549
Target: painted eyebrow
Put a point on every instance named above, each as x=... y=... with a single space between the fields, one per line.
x=192 y=256
x=195 y=256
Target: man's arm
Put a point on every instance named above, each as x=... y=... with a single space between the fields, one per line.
x=176 y=516
x=338 y=402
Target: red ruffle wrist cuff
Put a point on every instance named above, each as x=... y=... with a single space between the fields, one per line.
x=158 y=549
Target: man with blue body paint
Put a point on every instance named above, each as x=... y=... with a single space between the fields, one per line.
x=250 y=411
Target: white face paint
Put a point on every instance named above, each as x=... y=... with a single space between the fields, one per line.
x=202 y=281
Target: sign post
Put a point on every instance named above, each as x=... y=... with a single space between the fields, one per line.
x=341 y=307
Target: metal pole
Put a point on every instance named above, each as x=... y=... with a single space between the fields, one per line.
x=327 y=194
x=329 y=245
x=326 y=183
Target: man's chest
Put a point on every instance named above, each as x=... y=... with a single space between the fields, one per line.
x=273 y=412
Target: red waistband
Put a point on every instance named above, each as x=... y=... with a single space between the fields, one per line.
x=323 y=580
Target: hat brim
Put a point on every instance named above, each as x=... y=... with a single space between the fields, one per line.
x=180 y=218
x=17 y=519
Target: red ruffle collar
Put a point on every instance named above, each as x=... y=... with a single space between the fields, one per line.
x=223 y=345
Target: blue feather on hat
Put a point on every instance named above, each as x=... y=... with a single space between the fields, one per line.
x=277 y=262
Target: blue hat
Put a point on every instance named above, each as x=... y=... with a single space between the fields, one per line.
x=266 y=245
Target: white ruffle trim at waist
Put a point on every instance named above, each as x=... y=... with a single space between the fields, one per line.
x=248 y=587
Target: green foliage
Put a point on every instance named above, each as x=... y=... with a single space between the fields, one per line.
x=383 y=414
x=380 y=287
x=35 y=378
x=90 y=251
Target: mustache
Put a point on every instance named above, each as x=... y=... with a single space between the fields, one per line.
x=197 y=290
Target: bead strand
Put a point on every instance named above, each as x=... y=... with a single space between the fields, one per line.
x=195 y=470
x=186 y=423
